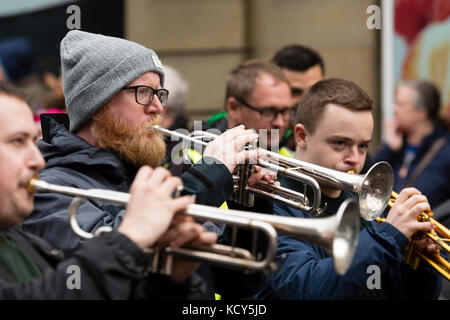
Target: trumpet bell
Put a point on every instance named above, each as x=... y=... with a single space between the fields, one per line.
x=337 y=234
x=346 y=237
x=375 y=190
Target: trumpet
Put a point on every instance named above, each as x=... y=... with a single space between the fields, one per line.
x=337 y=234
x=242 y=192
x=413 y=256
x=372 y=189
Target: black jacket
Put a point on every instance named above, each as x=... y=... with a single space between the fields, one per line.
x=111 y=266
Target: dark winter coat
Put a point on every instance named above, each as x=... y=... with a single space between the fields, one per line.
x=308 y=273
x=111 y=266
x=434 y=179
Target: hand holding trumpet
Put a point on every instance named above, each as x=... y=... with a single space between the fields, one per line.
x=151 y=218
x=229 y=147
x=403 y=215
x=411 y=214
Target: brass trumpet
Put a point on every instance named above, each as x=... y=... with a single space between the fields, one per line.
x=338 y=234
x=412 y=256
x=372 y=189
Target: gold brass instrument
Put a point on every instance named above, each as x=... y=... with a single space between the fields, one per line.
x=413 y=256
x=337 y=234
x=372 y=189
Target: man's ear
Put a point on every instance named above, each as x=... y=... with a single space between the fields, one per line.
x=233 y=110
x=300 y=135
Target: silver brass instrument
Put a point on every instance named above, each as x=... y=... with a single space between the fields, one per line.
x=373 y=189
x=243 y=193
x=337 y=234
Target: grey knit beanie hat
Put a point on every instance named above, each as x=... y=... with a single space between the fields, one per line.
x=95 y=67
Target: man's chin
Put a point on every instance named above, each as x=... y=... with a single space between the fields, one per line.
x=24 y=211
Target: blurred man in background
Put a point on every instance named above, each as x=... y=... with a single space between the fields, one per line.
x=303 y=67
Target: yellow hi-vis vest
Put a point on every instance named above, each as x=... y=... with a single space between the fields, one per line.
x=195 y=156
x=286 y=152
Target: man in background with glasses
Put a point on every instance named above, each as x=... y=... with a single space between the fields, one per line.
x=258 y=96
x=114 y=95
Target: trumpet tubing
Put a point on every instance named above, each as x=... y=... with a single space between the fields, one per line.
x=337 y=234
x=243 y=193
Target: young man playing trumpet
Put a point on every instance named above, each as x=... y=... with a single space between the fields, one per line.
x=334 y=128
x=111 y=266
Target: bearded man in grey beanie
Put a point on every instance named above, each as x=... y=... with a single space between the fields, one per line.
x=114 y=95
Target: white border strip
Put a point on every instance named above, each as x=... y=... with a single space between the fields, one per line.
x=387 y=60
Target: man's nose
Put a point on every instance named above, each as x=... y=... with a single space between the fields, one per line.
x=155 y=106
x=353 y=157
x=35 y=160
x=279 y=121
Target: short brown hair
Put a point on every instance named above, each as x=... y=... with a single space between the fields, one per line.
x=9 y=89
x=337 y=91
x=241 y=81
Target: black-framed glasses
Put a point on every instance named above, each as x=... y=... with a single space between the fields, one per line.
x=297 y=92
x=269 y=114
x=144 y=94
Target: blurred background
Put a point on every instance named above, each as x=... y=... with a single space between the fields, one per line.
x=205 y=39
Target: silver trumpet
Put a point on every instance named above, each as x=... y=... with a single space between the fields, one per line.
x=373 y=189
x=243 y=193
x=337 y=234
